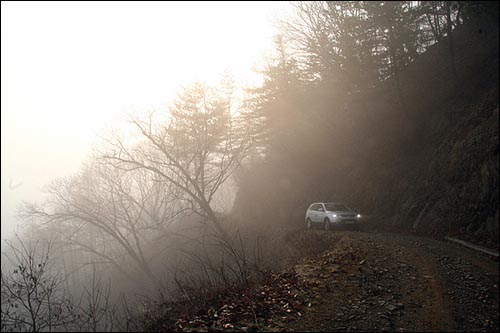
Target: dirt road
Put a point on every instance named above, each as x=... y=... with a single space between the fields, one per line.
x=391 y=282
x=352 y=281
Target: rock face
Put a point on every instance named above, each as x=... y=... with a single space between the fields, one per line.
x=427 y=162
x=452 y=187
x=457 y=192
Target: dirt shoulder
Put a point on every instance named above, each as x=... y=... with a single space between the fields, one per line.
x=391 y=282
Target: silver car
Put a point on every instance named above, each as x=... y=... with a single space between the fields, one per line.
x=328 y=214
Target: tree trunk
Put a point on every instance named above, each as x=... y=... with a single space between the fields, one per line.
x=451 y=45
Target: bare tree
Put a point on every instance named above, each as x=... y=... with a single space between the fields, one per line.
x=119 y=205
x=195 y=152
x=108 y=214
x=32 y=296
x=333 y=40
x=95 y=312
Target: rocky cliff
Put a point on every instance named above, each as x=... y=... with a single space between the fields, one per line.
x=447 y=182
x=422 y=159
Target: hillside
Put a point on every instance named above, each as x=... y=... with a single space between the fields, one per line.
x=313 y=166
x=350 y=281
x=426 y=163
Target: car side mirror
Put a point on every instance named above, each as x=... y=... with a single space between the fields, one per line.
x=321 y=210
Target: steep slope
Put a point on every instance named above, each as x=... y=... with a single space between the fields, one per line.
x=448 y=176
x=424 y=161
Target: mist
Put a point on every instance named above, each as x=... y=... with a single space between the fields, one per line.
x=64 y=89
x=269 y=166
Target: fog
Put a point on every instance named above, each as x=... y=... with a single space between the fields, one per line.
x=163 y=165
x=72 y=73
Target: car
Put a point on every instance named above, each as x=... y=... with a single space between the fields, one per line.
x=329 y=214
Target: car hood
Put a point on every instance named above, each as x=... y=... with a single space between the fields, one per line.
x=342 y=212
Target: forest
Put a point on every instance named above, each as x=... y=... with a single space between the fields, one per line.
x=362 y=102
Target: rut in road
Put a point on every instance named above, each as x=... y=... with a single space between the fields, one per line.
x=399 y=283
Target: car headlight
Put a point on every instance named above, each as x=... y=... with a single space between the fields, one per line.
x=358 y=216
x=334 y=215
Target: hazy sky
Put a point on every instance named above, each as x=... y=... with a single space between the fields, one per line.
x=72 y=70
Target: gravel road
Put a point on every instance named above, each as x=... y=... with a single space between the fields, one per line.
x=393 y=282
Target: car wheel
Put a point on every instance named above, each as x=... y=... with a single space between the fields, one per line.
x=327 y=224
x=309 y=223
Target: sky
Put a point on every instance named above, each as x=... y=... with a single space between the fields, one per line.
x=72 y=71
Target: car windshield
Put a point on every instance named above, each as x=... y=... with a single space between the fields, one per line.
x=332 y=207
